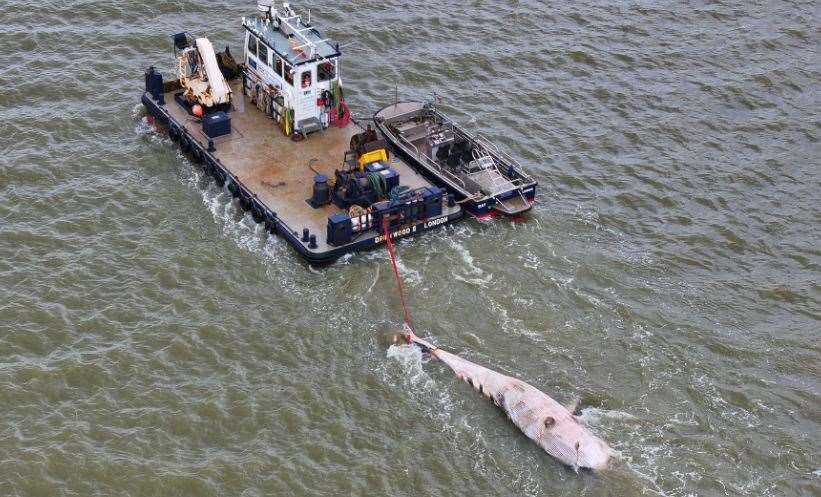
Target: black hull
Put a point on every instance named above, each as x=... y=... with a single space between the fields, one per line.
x=260 y=212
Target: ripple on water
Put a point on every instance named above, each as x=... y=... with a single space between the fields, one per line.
x=156 y=340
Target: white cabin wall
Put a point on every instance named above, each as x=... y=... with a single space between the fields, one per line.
x=301 y=100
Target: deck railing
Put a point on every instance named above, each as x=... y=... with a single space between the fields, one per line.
x=490 y=147
x=430 y=163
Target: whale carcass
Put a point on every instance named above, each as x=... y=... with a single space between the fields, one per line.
x=552 y=426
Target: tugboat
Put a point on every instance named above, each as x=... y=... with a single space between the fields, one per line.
x=274 y=129
x=483 y=178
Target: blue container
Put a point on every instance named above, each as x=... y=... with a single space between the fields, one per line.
x=432 y=197
x=340 y=229
x=380 y=210
x=391 y=178
x=216 y=124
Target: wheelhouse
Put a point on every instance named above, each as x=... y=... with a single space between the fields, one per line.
x=292 y=68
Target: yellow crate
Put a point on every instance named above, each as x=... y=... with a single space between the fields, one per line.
x=373 y=156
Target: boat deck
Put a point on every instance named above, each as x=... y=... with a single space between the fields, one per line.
x=421 y=133
x=276 y=169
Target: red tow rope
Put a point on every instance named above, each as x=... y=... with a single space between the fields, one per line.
x=398 y=278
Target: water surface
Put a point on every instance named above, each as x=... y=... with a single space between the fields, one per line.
x=155 y=341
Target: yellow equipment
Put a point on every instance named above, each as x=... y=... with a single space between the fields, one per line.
x=373 y=156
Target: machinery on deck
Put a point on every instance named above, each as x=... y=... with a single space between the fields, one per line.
x=287 y=111
x=199 y=73
x=369 y=190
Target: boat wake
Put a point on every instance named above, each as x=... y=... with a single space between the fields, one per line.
x=235 y=224
x=461 y=430
x=472 y=274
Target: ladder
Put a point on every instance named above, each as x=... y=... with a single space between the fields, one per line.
x=487 y=173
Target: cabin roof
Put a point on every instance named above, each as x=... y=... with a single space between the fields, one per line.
x=282 y=44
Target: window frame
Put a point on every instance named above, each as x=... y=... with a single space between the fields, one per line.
x=287 y=75
x=262 y=47
x=255 y=40
x=320 y=71
x=277 y=64
x=310 y=74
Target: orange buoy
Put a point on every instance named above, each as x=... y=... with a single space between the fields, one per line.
x=197 y=110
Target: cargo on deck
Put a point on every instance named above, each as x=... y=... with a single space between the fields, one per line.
x=275 y=130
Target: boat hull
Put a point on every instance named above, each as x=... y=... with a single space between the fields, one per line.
x=193 y=146
x=483 y=207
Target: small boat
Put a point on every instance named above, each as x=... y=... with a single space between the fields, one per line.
x=484 y=179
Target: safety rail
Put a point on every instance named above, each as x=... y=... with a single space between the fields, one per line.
x=501 y=156
x=501 y=205
x=521 y=179
x=432 y=163
x=399 y=117
x=492 y=148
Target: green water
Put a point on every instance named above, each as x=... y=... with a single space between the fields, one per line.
x=154 y=341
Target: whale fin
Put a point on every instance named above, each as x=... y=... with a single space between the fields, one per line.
x=573 y=405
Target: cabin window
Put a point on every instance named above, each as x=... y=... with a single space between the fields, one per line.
x=263 y=54
x=252 y=45
x=287 y=73
x=306 y=79
x=326 y=71
x=277 y=65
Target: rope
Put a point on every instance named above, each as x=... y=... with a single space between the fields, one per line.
x=376 y=183
x=398 y=194
x=398 y=278
x=345 y=116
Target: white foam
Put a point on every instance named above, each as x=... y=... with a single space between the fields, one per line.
x=409 y=276
x=409 y=358
x=480 y=282
x=467 y=258
x=375 y=279
x=147 y=130
x=593 y=416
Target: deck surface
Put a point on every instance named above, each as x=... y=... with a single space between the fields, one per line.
x=275 y=168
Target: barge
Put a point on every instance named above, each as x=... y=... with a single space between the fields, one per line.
x=486 y=180
x=275 y=131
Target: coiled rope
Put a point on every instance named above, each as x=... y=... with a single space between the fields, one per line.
x=398 y=194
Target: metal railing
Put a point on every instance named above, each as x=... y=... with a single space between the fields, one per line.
x=494 y=150
x=491 y=147
x=430 y=163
